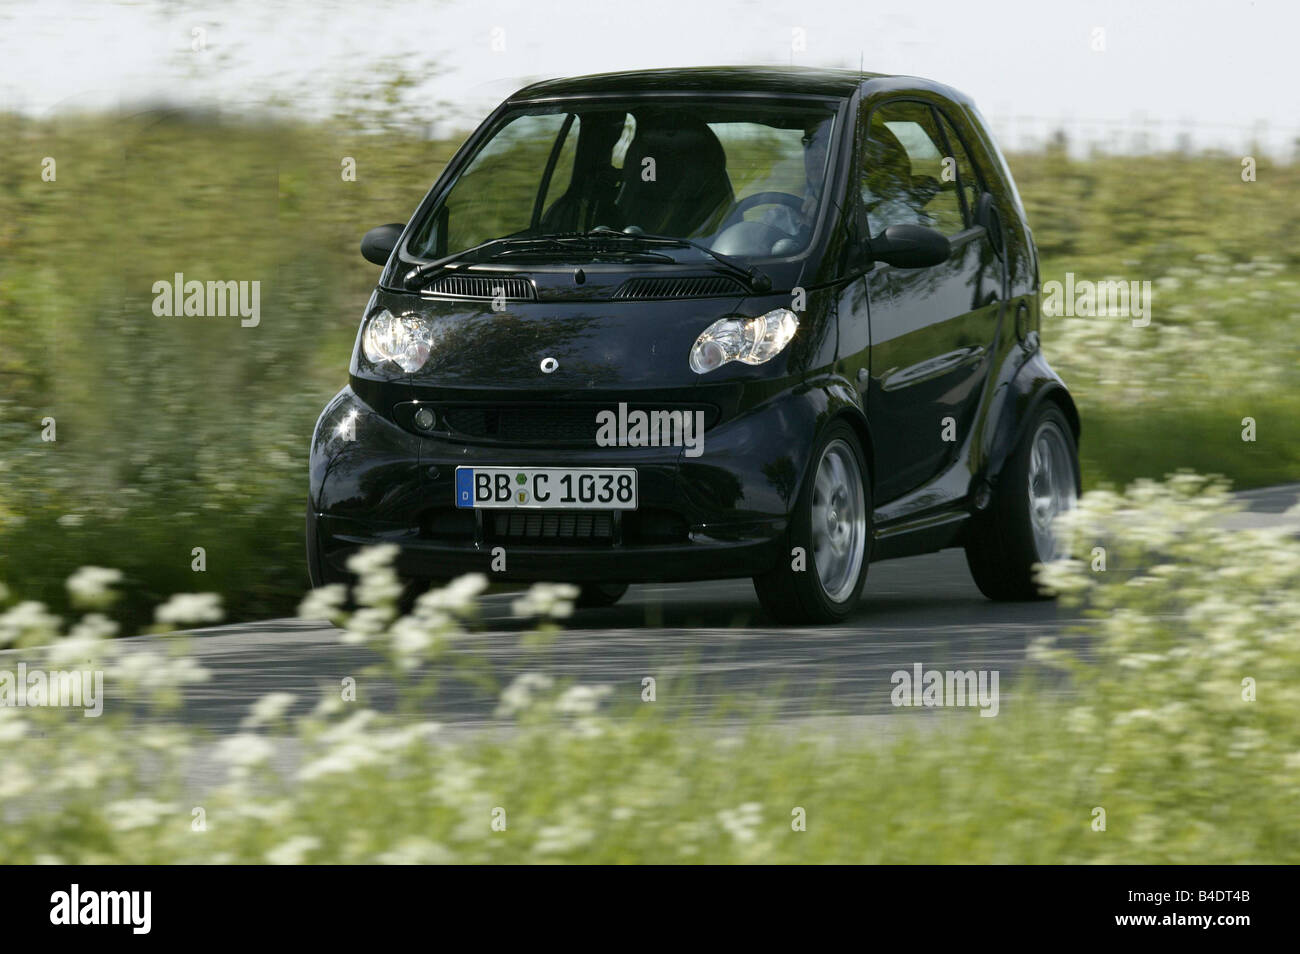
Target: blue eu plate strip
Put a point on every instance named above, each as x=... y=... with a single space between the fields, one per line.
x=464 y=487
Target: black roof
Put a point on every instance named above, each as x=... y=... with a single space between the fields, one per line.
x=729 y=79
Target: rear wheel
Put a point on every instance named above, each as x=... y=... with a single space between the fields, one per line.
x=1039 y=481
x=830 y=533
x=594 y=595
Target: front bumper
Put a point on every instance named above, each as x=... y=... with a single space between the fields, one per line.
x=722 y=514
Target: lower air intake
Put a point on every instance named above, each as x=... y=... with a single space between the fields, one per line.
x=541 y=526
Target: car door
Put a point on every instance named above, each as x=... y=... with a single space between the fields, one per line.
x=932 y=329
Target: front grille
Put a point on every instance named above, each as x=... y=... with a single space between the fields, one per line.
x=481 y=288
x=573 y=424
x=552 y=526
x=524 y=425
x=651 y=289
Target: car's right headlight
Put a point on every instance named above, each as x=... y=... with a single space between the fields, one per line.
x=405 y=340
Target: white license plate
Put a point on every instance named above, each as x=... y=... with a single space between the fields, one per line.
x=546 y=488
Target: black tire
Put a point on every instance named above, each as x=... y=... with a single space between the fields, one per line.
x=1001 y=550
x=596 y=595
x=798 y=596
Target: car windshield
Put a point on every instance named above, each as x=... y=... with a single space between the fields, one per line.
x=743 y=179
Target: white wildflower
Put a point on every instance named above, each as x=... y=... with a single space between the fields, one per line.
x=522 y=693
x=372 y=558
x=324 y=602
x=581 y=700
x=458 y=596
x=83 y=644
x=366 y=623
x=244 y=751
x=91 y=586
x=294 y=851
x=132 y=813
x=28 y=618
x=742 y=823
x=189 y=608
x=554 y=600
x=270 y=708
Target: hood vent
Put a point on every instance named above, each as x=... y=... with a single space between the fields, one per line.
x=481 y=288
x=649 y=289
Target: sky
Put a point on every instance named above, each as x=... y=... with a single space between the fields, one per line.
x=1220 y=70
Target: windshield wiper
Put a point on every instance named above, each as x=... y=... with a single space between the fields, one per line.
x=420 y=273
x=566 y=250
x=564 y=242
x=756 y=280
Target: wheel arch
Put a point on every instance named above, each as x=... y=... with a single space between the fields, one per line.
x=1034 y=384
x=843 y=407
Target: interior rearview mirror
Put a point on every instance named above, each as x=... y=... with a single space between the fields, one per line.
x=379 y=242
x=910 y=246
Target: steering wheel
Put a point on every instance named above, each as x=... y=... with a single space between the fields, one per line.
x=738 y=210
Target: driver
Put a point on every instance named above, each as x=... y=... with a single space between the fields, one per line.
x=799 y=222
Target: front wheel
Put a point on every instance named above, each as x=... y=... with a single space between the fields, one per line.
x=1039 y=481
x=820 y=580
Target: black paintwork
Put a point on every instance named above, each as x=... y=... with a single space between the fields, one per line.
x=891 y=350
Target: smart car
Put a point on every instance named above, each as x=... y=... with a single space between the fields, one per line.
x=692 y=324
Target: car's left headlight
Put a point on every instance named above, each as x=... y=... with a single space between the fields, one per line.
x=751 y=340
x=405 y=340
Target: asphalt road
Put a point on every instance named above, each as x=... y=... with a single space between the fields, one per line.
x=705 y=644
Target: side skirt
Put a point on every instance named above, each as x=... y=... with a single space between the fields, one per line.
x=926 y=534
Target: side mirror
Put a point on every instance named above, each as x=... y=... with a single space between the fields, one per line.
x=911 y=246
x=379 y=243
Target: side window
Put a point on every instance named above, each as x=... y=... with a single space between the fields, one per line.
x=902 y=176
x=969 y=182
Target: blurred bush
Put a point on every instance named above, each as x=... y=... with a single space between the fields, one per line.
x=176 y=433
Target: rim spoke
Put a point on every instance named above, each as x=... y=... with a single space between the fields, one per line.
x=838 y=477
x=822 y=487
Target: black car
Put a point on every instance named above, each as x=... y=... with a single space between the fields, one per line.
x=702 y=323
